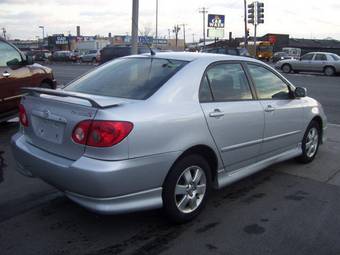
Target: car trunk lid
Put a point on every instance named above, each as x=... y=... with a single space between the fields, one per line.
x=54 y=114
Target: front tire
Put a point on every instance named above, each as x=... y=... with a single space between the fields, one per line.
x=329 y=71
x=186 y=188
x=286 y=68
x=310 y=143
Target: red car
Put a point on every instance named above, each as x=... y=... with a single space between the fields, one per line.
x=16 y=71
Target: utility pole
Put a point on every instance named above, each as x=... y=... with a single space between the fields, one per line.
x=156 y=22
x=193 y=38
x=204 y=11
x=4 y=32
x=245 y=25
x=183 y=25
x=134 y=29
x=169 y=31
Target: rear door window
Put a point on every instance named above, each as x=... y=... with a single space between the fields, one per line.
x=227 y=82
x=320 y=57
x=133 y=78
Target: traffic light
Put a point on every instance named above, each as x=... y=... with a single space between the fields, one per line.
x=251 y=13
x=248 y=33
x=260 y=13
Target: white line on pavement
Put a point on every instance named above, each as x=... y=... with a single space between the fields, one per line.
x=333 y=125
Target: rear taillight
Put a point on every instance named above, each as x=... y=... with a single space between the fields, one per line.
x=23 y=116
x=100 y=133
x=80 y=132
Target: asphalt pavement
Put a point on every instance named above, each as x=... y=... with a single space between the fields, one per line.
x=287 y=208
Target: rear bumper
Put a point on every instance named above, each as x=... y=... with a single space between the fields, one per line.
x=101 y=186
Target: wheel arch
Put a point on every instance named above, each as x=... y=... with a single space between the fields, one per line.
x=48 y=81
x=324 y=68
x=318 y=120
x=207 y=153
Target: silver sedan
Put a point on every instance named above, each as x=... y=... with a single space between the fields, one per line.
x=321 y=62
x=151 y=131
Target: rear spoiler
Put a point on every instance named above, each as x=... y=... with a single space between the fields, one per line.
x=59 y=93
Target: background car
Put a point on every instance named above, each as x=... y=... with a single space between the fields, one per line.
x=62 y=56
x=280 y=56
x=239 y=51
x=17 y=71
x=145 y=132
x=92 y=56
x=322 y=62
x=112 y=52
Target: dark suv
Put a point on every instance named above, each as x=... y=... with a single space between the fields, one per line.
x=16 y=71
x=111 y=52
x=228 y=51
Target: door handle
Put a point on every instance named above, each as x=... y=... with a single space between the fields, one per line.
x=216 y=113
x=6 y=74
x=269 y=108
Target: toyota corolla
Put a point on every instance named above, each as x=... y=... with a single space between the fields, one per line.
x=151 y=131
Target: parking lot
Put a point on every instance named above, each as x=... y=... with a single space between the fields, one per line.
x=286 y=209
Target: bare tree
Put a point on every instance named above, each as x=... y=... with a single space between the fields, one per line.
x=147 y=30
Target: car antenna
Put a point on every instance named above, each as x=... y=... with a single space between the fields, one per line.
x=145 y=41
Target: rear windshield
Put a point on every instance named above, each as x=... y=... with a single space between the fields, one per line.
x=335 y=57
x=132 y=78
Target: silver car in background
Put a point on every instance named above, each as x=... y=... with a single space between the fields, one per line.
x=91 y=56
x=322 y=62
x=151 y=131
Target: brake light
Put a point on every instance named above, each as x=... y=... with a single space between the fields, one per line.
x=23 y=116
x=99 y=133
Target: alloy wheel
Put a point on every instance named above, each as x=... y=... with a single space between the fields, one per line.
x=312 y=142
x=190 y=189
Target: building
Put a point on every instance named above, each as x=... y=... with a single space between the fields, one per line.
x=86 y=43
x=306 y=45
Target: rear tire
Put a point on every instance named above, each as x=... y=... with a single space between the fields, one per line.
x=286 y=68
x=186 y=188
x=329 y=71
x=310 y=143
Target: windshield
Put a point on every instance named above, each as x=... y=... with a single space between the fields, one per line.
x=133 y=78
x=265 y=48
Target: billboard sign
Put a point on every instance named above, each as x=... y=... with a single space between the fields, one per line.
x=126 y=39
x=60 y=39
x=215 y=33
x=216 y=21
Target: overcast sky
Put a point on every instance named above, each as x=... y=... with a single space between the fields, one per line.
x=299 y=18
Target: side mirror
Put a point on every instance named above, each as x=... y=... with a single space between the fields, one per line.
x=14 y=63
x=29 y=60
x=300 y=92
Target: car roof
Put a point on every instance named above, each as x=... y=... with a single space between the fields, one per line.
x=320 y=52
x=191 y=56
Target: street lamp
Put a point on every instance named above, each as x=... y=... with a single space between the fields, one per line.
x=156 y=22
x=43 y=36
